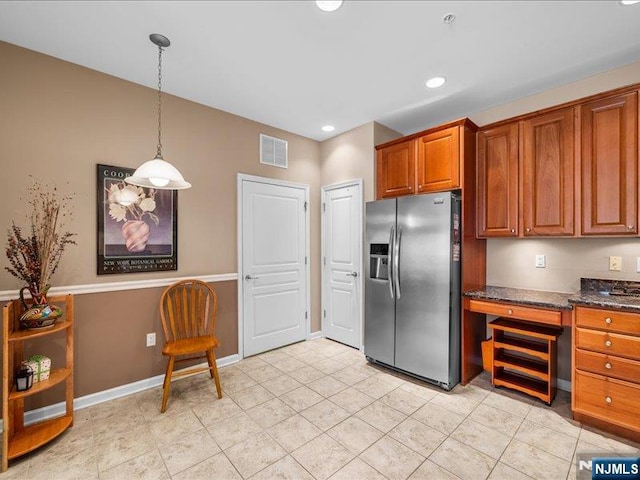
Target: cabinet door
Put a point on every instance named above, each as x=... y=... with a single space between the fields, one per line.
x=498 y=182
x=548 y=174
x=396 y=170
x=609 y=140
x=438 y=161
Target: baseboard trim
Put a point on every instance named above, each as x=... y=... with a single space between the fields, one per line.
x=315 y=335
x=121 y=286
x=85 y=401
x=563 y=385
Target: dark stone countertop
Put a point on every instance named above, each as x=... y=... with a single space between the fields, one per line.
x=520 y=296
x=597 y=293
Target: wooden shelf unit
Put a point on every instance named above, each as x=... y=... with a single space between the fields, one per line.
x=524 y=357
x=18 y=438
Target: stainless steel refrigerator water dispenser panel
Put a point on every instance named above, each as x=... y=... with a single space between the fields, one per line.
x=379 y=261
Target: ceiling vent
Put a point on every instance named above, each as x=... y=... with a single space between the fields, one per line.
x=273 y=151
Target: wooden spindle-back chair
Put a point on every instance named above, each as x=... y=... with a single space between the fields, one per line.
x=188 y=311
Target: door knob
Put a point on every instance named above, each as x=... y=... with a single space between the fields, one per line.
x=352 y=274
x=249 y=277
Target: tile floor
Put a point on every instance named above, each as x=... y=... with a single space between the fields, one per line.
x=318 y=410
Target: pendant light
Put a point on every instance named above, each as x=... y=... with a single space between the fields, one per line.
x=158 y=173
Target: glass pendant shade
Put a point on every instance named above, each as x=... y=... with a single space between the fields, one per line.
x=158 y=174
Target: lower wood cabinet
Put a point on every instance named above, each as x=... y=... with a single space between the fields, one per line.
x=606 y=369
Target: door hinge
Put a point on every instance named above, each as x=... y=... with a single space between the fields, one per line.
x=324 y=207
x=305 y=260
x=305 y=314
x=324 y=313
x=305 y=206
x=324 y=260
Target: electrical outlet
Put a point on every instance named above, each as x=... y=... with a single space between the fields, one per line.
x=615 y=264
x=151 y=339
x=541 y=261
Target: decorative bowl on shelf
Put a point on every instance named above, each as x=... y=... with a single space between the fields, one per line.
x=40 y=316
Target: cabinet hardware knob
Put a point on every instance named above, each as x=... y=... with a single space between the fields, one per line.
x=510 y=312
x=528 y=229
x=608 y=343
x=629 y=227
x=513 y=230
x=607 y=366
x=608 y=400
x=607 y=320
x=410 y=188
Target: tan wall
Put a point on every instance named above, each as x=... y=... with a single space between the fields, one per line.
x=352 y=155
x=58 y=120
x=510 y=262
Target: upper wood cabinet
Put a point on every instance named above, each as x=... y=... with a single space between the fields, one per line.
x=395 y=170
x=497 y=182
x=438 y=165
x=548 y=174
x=427 y=161
x=609 y=144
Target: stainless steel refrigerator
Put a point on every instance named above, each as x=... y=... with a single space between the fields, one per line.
x=412 y=286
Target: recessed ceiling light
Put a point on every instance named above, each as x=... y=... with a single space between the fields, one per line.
x=328 y=128
x=435 y=82
x=629 y=2
x=329 y=5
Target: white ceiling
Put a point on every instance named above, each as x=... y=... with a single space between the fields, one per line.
x=292 y=66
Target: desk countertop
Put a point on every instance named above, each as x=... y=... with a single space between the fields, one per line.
x=593 y=293
x=521 y=296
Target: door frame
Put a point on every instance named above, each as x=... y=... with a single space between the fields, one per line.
x=359 y=280
x=241 y=178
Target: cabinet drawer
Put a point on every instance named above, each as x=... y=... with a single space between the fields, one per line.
x=609 y=320
x=514 y=311
x=608 y=365
x=610 y=343
x=609 y=399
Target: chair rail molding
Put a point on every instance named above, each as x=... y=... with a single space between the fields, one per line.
x=125 y=285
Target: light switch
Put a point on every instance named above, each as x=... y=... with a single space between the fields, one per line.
x=638 y=264
x=615 y=264
x=541 y=261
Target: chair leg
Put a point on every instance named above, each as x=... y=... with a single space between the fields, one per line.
x=211 y=363
x=211 y=358
x=166 y=387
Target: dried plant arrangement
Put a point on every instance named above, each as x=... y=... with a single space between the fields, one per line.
x=34 y=257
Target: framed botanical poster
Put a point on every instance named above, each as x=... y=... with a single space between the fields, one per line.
x=137 y=227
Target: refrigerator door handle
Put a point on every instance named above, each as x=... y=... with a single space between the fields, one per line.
x=396 y=264
x=392 y=238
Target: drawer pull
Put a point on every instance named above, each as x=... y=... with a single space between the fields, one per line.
x=608 y=400
x=510 y=312
x=607 y=343
x=607 y=320
x=607 y=366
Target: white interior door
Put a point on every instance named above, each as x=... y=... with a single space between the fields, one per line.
x=342 y=263
x=273 y=271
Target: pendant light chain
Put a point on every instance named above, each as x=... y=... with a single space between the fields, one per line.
x=159 y=153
